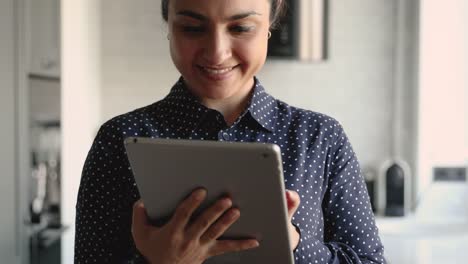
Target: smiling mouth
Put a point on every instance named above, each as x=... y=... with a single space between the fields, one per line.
x=216 y=70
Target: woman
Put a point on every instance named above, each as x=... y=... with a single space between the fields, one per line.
x=218 y=46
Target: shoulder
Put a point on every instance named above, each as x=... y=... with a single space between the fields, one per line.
x=308 y=118
x=139 y=115
x=132 y=119
x=116 y=129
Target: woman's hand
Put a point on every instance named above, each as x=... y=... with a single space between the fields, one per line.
x=181 y=242
x=293 y=201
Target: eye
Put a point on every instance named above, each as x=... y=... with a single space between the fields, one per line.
x=241 y=29
x=193 y=29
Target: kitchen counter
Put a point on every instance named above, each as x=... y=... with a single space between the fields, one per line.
x=422 y=241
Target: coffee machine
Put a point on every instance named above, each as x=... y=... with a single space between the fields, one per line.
x=393 y=188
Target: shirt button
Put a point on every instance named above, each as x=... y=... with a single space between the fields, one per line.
x=225 y=136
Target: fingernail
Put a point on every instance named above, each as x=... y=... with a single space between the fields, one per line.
x=200 y=193
x=234 y=213
x=227 y=200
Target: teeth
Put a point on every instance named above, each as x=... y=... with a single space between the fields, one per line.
x=217 y=71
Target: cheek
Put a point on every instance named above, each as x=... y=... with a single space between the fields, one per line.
x=182 y=52
x=252 y=52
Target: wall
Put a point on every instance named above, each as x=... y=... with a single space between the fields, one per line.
x=80 y=100
x=443 y=92
x=356 y=84
x=136 y=67
x=465 y=22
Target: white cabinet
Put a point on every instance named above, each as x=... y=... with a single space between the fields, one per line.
x=44 y=33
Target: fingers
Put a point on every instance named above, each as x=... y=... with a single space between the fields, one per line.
x=293 y=201
x=185 y=210
x=218 y=228
x=225 y=246
x=208 y=217
x=139 y=220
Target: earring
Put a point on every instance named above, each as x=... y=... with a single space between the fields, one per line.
x=167 y=36
x=269 y=34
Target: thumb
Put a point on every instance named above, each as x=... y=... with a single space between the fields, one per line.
x=140 y=221
x=293 y=201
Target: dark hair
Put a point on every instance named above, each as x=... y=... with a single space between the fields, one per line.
x=278 y=8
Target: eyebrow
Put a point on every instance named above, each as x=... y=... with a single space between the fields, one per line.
x=204 y=18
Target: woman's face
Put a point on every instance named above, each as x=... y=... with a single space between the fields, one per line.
x=219 y=45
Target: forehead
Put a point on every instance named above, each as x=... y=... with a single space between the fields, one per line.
x=220 y=8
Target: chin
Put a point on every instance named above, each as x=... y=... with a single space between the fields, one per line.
x=217 y=87
x=214 y=89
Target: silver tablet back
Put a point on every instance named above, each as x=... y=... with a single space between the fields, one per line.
x=166 y=171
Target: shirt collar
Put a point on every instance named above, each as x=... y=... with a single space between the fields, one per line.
x=184 y=110
x=181 y=109
x=263 y=107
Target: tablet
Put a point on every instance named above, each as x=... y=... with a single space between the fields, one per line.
x=166 y=171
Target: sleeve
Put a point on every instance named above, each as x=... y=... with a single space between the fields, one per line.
x=104 y=205
x=350 y=233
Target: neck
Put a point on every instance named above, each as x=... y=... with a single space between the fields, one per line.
x=231 y=107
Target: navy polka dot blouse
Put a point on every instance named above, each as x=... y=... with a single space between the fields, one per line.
x=334 y=218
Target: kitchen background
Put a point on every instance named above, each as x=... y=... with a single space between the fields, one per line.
x=394 y=76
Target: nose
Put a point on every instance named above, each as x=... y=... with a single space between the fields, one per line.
x=217 y=48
